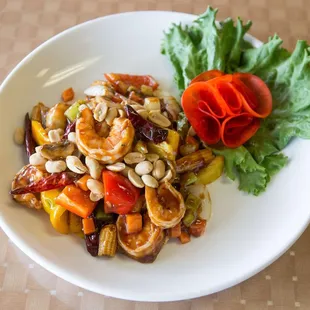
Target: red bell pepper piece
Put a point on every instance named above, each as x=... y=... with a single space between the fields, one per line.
x=120 y=196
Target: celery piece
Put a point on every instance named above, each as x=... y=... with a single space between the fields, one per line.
x=192 y=204
x=188 y=178
x=103 y=217
x=73 y=111
x=189 y=218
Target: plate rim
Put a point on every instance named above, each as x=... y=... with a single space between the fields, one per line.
x=59 y=272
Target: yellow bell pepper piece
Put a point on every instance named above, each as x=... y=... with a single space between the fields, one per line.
x=212 y=172
x=167 y=149
x=80 y=234
x=75 y=223
x=59 y=218
x=48 y=199
x=39 y=134
x=141 y=147
x=62 y=220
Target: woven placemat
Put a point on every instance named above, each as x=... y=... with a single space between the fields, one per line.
x=24 y=24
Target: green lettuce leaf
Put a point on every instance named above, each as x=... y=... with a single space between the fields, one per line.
x=203 y=46
x=182 y=54
x=239 y=163
x=274 y=163
x=288 y=77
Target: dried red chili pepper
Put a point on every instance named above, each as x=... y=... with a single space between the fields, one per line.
x=126 y=80
x=29 y=141
x=92 y=243
x=52 y=181
x=145 y=130
x=70 y=128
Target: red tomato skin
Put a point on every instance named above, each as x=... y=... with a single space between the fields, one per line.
x=206 y=76
x=238 y=129
x=120 y=196
x=226 y=107
x=202 y=117
x=258 y=98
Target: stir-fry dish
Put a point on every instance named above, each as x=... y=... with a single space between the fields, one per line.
x=127 y=167
x=115 y=168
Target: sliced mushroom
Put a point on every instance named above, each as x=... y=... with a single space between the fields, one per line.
x=57 y=150
x=25 y=176
x=143 y=246
x=39 y=112
x=165 y=205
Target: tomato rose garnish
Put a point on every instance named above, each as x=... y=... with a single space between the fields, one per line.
x=226 y=107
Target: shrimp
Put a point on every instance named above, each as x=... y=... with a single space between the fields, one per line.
x=106 y=150
x=143 y=246
x=56 y=118
x=165 y=206
x=25 y=176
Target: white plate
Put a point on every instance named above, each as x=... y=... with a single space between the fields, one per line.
x=245 y=233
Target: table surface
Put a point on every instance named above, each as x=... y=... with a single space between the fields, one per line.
x=24 y=24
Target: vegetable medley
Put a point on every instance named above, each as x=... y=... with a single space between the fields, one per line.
x=127 y=167
x=116 y=169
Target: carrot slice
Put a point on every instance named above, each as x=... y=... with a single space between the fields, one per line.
x=206 y=76
x=258 y=98
x=76 y=201
x=131 y=80
x=88 y=226
x=184 y=237
x=175 y=232
x=68 y=94
x=198 y=228
x=133 y=223
x=238 y=129
x=82 y=182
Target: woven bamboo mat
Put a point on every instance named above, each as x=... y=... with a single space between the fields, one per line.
x=24 y=24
